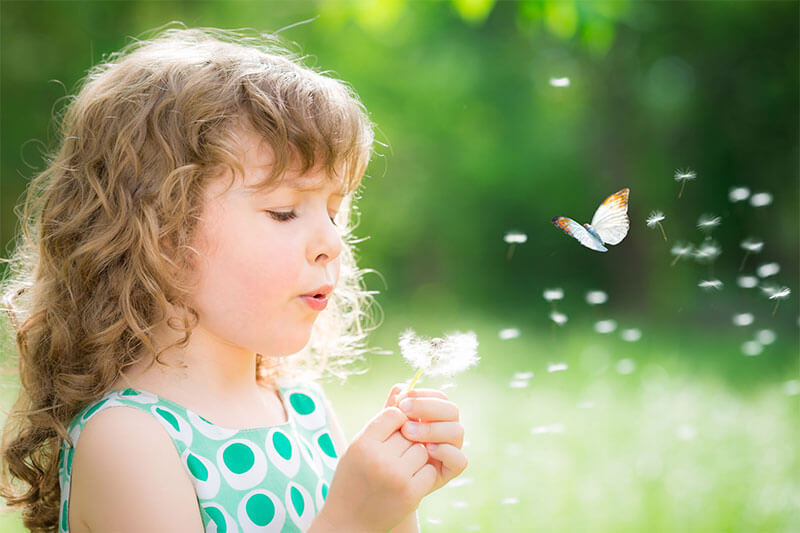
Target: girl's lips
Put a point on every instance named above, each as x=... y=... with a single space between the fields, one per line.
x=317 y=303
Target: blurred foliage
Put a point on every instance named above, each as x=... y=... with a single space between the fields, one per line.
x=476 y=142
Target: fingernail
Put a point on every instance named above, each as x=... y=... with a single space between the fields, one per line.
x=412 y=428
x=405 y=405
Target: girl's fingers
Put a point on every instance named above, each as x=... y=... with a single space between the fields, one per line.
x=391 y=401
x=420 y=393
x=429 y=409
x=436 y=432
x=453 y=460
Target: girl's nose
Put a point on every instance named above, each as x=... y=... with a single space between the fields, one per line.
x=326 y=243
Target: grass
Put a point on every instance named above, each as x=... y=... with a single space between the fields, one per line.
x=686 y=434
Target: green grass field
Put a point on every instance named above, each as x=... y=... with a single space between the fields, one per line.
x=670 y=433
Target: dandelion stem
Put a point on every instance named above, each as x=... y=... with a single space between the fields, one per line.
x=776 y=308
x=683 y=183
x=510 y=253
x=746 y=253
x=675 y=260
x=662 y=231
x=414 y=381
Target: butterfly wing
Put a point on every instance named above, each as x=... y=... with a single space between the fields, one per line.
x=573 y=229
x=610 y=221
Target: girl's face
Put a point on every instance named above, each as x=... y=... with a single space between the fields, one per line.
x=261 y=251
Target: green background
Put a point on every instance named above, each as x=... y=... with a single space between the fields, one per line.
x=686 y=433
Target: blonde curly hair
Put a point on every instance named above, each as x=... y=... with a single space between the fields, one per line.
x=106 y=226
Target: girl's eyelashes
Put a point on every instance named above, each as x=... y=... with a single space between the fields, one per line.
x=282 y=216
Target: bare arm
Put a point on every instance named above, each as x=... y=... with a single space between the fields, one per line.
x=127 y=477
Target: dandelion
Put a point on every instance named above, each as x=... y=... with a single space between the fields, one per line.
x=747 y=282
x=761 y=199
x=559 y=82
x=709 y=284
x=654 y=219
x=596 y=297
x=552 y=295
x=706 y=223
x=777 y=294
x=750 y=246
x=439 y=357
x=683 y=176
x=631 y=334
x=752 y=348
x=556 y=367
x=559 y=318
x=765 y=336
x=680 y=250
x=513 y=238
x=768 y=269
x=738 y=194
x=508 y=333
x=605 y=326
x=743 y=319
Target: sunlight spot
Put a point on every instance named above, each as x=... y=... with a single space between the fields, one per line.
x=596 y=297
x=761 y=199
x=686 y=432
x=626 y=366
x=508 y=333
x=792 y=387
x=765 y=336
x=747 y=282
x=743 y=319
x=559 y=82
x=738 y=194
x=509 y=501
x=605 y=326
x=631 y=334
x=752 y=348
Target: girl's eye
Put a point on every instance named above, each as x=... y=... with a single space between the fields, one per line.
x=282 y=216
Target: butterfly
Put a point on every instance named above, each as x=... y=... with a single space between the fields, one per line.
x=609 y=224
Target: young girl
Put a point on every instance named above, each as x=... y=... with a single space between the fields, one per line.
x=186 y=255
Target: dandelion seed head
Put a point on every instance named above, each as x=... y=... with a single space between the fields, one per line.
x=557 y=367
x=596 y=297
x=709 y=284
x=743 y=319
x=738 y=194
x=752 y=245
x=605 y=326
x=768 y=269
x=747 y=282
x=708 y=222
x=765 y=336
x=761 y=199
x=752 y=348
x=681 y=249
x=440 y=357
x=626 y=366
x=685 y=175
x=515 y=237
x=559 y=82
x=631 y=334
x=553 y=294
x=654 y=218
x=558 y=318
x=508 y=333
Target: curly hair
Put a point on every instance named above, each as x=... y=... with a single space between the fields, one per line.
x=106 y=226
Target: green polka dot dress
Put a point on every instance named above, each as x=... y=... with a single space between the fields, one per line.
x=265 y=479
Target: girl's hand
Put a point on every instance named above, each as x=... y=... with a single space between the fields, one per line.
x=433 y=420
x=379 y=480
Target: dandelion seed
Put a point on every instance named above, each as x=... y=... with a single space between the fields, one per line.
x=738 y=194
x=556 y=367
x=626 y=366
x=509 y=501
x=765 y=336
x=558 y=318
x=708 y=251
x=706 y=223
x=518 y=384
x=743 y=319
x=559 y=82
x=750 y=246
x=683 y=176
x=747 y=282
x=631 y=334
x=508 y=333
x=552 y=295
x=523 y=375
x=654 y=219
x=605 y=326
x=777 y=294
x=460 y=504
x=439 y=357
x=761 y=199
x=751 y=348
x=680 y=250
x=434 y=521
x=513 y=238
x=709 y=284
x=596 y=297
x=768 y=269
x=791 y=387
